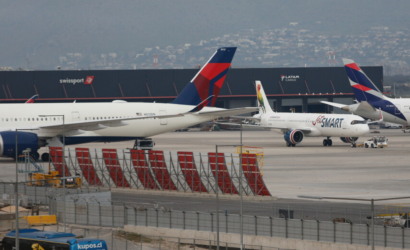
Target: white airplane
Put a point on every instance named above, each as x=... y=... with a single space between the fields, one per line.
x=370 y=98
x=295 y=126
x=43 y=124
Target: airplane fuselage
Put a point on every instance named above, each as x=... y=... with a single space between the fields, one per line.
x=319 y=125
x=23 y=116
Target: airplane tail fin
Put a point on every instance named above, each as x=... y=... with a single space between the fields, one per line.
x=209 y=80
x=363 y=88
x=32 y=99
x=263 y=102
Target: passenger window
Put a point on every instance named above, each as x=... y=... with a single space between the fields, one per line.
x=37 y=119
x=7 y=119
x=41 y=118
x=15 y=119
x=86 y=118
x=46 y=119
x=28 y=119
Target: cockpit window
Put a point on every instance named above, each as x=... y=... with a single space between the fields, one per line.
x=354 y=122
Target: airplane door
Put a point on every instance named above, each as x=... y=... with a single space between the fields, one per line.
x=397 y=109
x=344 y=124
x=75 y=116
x=406 y=109
x=164 y=120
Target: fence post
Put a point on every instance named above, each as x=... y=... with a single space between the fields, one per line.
x=179 y=243
x=112 y=214
x=99 y=213
x=212 y=222
x=270 y=228
x=135 y=216
x=385 y=236
x=160 y=241
x=197 y=221
x=126 y=240
x=170 y=219
x=75 y=212
x=301 y=228
x=125 y=215
x=317 y=229
x=226 y=222
x=141 y=241
x=256 y=225
x=112 y=240
x=286 y=228
x=156 y=215
x=35 y=194
x=210 y=244
x=146 y=217
x=87 y=213
x=194 y=244
x=368 y=235
x=334 y=232
x=351 y=233
x=183 y=219
x=402 y=237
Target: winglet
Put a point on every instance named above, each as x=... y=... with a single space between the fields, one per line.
x=32 y=99
x=201 y=105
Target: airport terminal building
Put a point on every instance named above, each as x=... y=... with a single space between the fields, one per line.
x=298 y=89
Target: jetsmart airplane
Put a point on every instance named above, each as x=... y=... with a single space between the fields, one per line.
x=370 y=98
x=41 y=124
x=295 y=126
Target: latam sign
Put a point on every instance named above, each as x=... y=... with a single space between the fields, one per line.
x=289 y=78
x=88 y=80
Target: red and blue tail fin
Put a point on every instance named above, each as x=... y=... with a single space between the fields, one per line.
x=32 y=99
x=363 y=88
x=209 y=80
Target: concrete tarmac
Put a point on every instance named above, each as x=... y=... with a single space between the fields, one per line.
x=307 y=169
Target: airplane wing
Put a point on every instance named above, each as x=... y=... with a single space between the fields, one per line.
x=246 y=117
x=228 y=112
x=304 y=130
x=337 y=105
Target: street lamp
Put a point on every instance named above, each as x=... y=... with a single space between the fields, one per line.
x=17 y=193
x=217 y=189
x=355 y=199
x=62 y=163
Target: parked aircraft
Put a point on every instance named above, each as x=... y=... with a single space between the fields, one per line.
x=295 y=126
x=43 y=124
x=370 y=98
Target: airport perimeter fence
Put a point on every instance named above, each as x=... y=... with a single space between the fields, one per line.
x=121 y=240
x=40 y=195
x=93 y=214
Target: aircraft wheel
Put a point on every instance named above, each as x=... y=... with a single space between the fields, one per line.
x=372 y=146
x=293 y=145
x=45 y=157
x=329 y=142
x=288 y=144
x=325 y=142
x=366 y=146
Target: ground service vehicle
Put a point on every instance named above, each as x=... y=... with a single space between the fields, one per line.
x=53 y=179
x=376 y=142
x=46 y=240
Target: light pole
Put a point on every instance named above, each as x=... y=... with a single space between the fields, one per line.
x=17 y=192
x=354 y=199
x=62 y=164
x=217 y=188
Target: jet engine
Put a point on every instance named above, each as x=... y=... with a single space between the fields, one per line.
x=24 y=140
x=293 y=137
x=349 y=139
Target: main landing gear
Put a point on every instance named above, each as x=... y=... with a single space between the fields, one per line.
x=327 y=142
x=288 y=144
